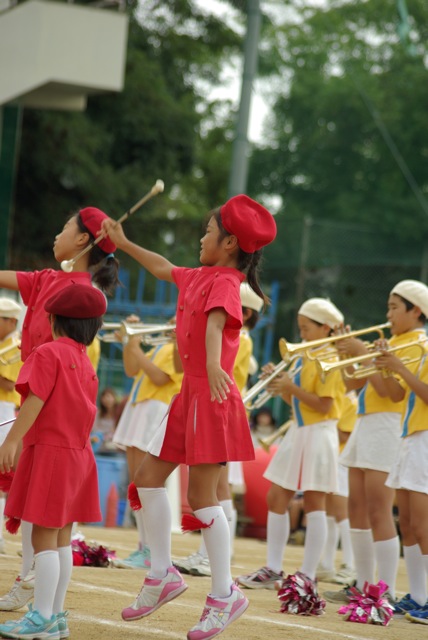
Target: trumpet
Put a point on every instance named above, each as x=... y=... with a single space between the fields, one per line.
x=150 y=334
x=259 y=391
x=364 y=371
x=267 y=442
x=15 y=357
x=289 y=348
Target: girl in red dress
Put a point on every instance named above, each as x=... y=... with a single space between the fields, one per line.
x=97 y=266
x=55 y=481
x=207 y=424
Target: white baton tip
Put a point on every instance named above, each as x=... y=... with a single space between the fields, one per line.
x=159 y=186
x=67 y=265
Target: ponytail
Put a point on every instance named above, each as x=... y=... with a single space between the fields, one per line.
x=105 y=271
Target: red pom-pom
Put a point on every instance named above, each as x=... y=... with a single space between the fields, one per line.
x=298 y=594
x=12 y=525
x=134 y=498
x=6 y=480
x=369 y=606
x=191 y=523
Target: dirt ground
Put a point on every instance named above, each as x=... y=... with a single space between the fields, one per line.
x=96 y=597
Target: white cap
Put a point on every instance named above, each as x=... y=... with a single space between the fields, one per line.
x=415 y=292
x=249 y=298
x=9 y=308
x=323 y=311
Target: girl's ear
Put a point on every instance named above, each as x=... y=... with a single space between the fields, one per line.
x=83 y=239
x=231 y=242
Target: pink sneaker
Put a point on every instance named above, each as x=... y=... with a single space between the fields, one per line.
x=154 y=593
x=218 y=614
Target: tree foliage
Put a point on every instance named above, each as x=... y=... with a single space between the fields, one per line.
x=163 y=125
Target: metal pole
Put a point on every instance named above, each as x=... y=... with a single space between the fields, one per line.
x=240 y=152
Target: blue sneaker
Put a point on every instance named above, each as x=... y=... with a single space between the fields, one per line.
x=63 y=629
x=139 y=559
x=418 y=615
x=31 y=627
x=404 y=605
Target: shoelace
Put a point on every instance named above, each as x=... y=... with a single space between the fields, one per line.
x=205 y=614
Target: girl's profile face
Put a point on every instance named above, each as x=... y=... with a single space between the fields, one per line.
x=310 y=330
x=210 y=246
x=66 y=244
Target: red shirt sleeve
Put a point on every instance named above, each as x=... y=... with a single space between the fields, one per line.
x=26 y=280
x=224 y=294
x=38 y=374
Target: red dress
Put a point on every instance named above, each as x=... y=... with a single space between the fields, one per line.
x=198 y=430
x=56 y=479
x=35 y=288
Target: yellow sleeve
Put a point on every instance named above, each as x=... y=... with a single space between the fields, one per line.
x=242 y=362
x=94 y=352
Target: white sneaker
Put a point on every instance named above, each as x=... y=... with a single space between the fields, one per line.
x=345 y=575
x=326 y=575
x=218 y=614
x=28 y=580
x=17 y=597
x=201 y=569
x=154 y=593
x=185 y=564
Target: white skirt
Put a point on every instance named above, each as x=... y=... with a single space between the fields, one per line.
x=7 y=412
x=139 y=423
x=374 y=442
x=235 y=474
x=410 y=469
x=306 y=459
x=342 y=481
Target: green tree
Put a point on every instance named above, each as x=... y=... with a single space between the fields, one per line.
x=163 y=125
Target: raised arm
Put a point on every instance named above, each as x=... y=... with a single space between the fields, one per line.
x=8 y=280
x=158 y=266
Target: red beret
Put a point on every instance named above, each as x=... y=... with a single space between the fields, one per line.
x=92 y=218
x=77 y=301
x=252 y=224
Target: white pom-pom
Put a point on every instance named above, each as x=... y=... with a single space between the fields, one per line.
x=159 y=186
x=67 y=265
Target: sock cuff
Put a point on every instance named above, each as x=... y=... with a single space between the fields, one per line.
x=44 y=553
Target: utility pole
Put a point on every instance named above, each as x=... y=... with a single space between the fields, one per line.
x=240 y=153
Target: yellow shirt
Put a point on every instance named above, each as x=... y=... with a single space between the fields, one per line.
x=94 y=352
x=242 y=362
x=307 y=377
x=10 y=371
x=144 y=389
x=368 y=400
x=415 y=412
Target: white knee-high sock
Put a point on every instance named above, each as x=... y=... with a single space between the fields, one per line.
x=316 y=536
x=217 y=542
x=46 y=581
x=139 y=520
x=416 y=574
x=157 y=523
x=278 y=532
x=65 y=556
x=426 y=567
x=329 y=552
x=387 y=554
x=27 y=547
x=345 y=543
x=227 y=506
x=2 y=505
x=363 y=548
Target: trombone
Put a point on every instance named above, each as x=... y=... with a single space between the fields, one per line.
x=267 y=442
x=364 y=371
x=150 y=334
x=290 y=349
x=15 y=357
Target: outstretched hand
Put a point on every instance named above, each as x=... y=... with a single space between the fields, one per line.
x=114 y=231
x=7 y=456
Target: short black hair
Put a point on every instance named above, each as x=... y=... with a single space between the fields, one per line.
x=82 y=330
